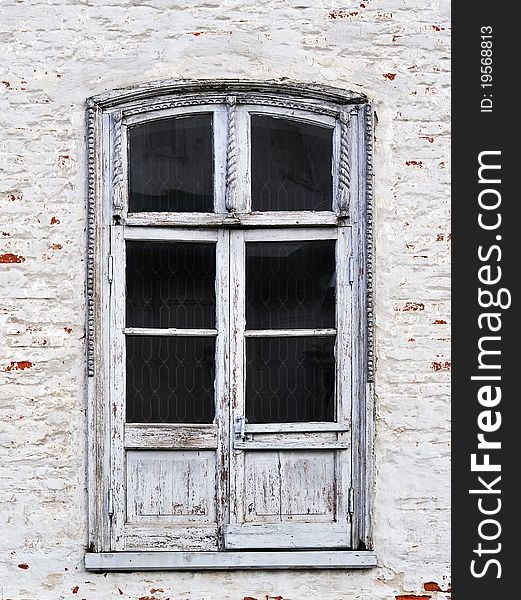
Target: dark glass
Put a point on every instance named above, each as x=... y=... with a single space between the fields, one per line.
x=291 y=165
x=170 y=379
x=170 y=284
x=290 y=285
x=290 y=379
x=171 y=165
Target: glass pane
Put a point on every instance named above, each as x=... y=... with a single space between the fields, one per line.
x=291 y=164
x=170 y=379
x=171 y=165
x=170 y=284
x=290 y=379
x=290 y=285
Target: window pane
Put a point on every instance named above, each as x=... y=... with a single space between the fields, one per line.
x=170 y=284
x=291 y=165
x=171 y=165
x=290 y=285
x=170 y=379
x=290 y=379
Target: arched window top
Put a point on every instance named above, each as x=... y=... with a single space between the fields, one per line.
x=189 y=93
x=181 y=150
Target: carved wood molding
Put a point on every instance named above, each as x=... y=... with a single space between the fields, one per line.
x=369 y=216
x=344 y=171
x=231 y=157
x=92 y=111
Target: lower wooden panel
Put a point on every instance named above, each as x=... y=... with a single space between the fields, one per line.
x=178 y=537
x=291 y=535
x=186 y=561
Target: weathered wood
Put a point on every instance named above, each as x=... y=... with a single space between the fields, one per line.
x=288 y=428
x=296 y=234
x=254 y=219
x=171 y=234
x=294 y=535
x=254 y=333
x=312 y=444
x=170 y=436
x=185 y=561
x=170 y=332
x=170 y=486
x=310 y=94
x=168 y=537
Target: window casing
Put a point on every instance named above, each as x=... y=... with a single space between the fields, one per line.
x=234 y=461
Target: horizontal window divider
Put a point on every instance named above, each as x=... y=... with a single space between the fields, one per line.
x=170 y=332
x=257 y=333
x=293 y=445
x=172 y=234
x=295 y=427
x=170 y=436
x=271 y=219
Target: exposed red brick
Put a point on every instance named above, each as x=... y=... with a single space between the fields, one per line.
x=156 y=591
x=439 y=322
x=19 y=365
x=23 y=566
x=56 y=246
x=411 y=340
x=438 y=28
x=54 y=221
x=441 y=366
x=11 y=258
x=120 y=591
x=197 y=33
x=413 y=306
x=413 y=597
x=342 y=14
x=431 y=586
x=440 y=237
x=6 y=234
x=249 y=598
x=75 y=589
x=6 y=84
x=362 y=5
x=395 y=37
x=68 y=329
x=414 y=163
x=429 y=138
x=13 y=197
x=390 y=76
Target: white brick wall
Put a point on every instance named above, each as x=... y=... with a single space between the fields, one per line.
x=54 y=55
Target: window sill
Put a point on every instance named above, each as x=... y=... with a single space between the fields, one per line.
x=183 y=561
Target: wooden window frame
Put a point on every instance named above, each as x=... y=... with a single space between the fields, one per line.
x=351 y=115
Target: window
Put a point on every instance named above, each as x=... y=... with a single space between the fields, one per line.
x=229 y=327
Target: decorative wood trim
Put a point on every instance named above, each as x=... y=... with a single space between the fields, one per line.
x=168 y=103
x=344 y=173
x=117 y=176
x=251 y=89
x=287 y=103
x=231 y=157
x=92 y=114
x=369 y=257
